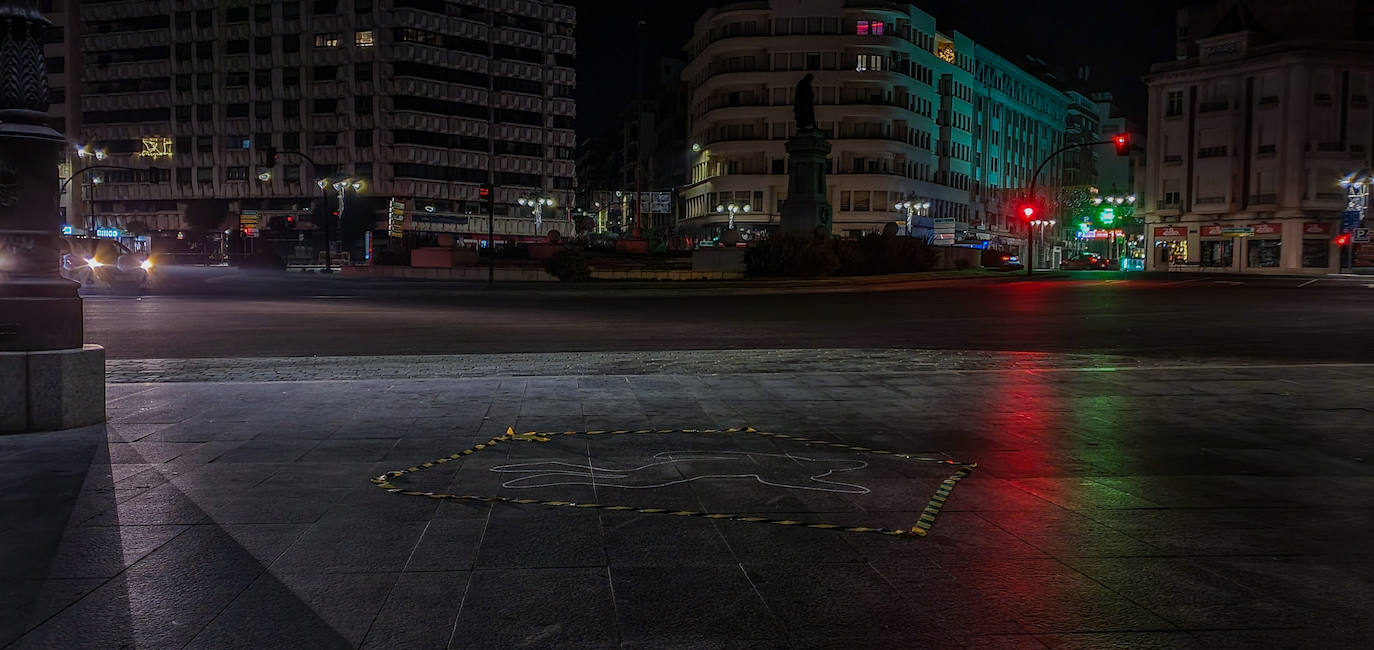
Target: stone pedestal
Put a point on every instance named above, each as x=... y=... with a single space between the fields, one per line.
x=51 y=390
x=806 y=209
x=729 y=260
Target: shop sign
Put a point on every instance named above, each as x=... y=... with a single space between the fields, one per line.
x=1316 y=229
x=1238 y=231
x=1171 y=231
x=1099 y=234
x=1350 y=220
x=105 y=232
x=1212 y=230
x=1267 y=229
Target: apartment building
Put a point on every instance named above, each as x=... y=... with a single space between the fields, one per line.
x=1264 y=112
x=420 y=100
x=913 y=114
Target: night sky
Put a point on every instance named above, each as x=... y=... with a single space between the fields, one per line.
x=1119 y=40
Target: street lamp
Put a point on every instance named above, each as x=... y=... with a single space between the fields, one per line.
x=696 y=147
x=537 y=204
x=1119 y=207
x=265 y=176
x=912 y=210
x=341 y=187
x=733 y=209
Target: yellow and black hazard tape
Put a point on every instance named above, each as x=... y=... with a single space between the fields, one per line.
x=922 y=526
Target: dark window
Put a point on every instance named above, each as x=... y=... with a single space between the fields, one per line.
x=292 y=173
x=205 y=144
x=360 y=6
x=325 y=73
x=362 y=138
x=205 y=18
x=262 y=140
x=562 y=122
x=291 y=9
x=182 y=144
x=183 y=113
x=262 y=45
x=232 y=80
x=183 y=176
x=183 y=51
x=291 y=140
x=236 y=46
x=291 y=108
x=362 y=72
x=1316 y=253
x=290 y=77
x=325 y=7
x=362 y=105
x=236 y=110
x=205 y=50
x=183 y=20
x=325 y=105
x=262 y=78
x=363 y=170
x=205 y=112
x=262 y=110
x=291 y=43
x=527 y=86
x=183 y=82
x=205 y=175
x=262 y=13
x=324 y=139
x=236 y=15
x=236 y=173
x=57 y=64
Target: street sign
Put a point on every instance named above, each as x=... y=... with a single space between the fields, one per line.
x=249 y=223
x=944 y=231
x=1350 y=220
x=1361 y=236
x=396 y=218
x=1242 y=231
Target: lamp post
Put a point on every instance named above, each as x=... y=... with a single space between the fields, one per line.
x=341 y=187
x=1114 y=207
x=733 y=209
x=536 y=204
x=1041 y=223
x=90 y=155
x=48 y=380
x=913 y=210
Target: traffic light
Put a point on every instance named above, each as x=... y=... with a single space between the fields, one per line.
x=485 y=194
x=1342 y=240
x=1028 y=211
x=1122 y=142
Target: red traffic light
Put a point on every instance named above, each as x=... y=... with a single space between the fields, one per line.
x=484 y=191
x=1342 y=240
x=1122 y=142
x=1028 y=211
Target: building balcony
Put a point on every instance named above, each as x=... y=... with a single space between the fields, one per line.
x=1264 y=199
x=1268 y=101
x=1213 y=107
x=1173 y=160
x=1266 y=151
x=1210 y=200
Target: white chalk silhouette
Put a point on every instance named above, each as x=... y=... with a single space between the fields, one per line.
x=676 y=467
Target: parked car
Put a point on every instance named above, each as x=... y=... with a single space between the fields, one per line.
x=104 y=263
x=1086 y=263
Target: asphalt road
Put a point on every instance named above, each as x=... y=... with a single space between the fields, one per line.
x=1278 y=319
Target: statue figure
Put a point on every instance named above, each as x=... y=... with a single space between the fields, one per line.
x=803 y=108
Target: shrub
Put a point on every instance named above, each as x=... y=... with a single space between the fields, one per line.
x=569 y=264
x=790 y=256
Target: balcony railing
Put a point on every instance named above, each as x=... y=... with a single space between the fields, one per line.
x=1269 y=100
x=1331 y=146
x=1264 y=199
x=1173 y=160
x=1267 y=149
x=1205 y=200
x=1211 y=152
x=1213 y=107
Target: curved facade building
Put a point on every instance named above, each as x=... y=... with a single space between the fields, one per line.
x=913 y=114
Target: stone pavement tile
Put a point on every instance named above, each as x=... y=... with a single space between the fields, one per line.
x=1081 y=493
x=537 y=608
x=1002 y=642
x=966 y=534
x=1182 y=592
x=761 y=542
x=372 y=427
x=267 y=450
x=26 y=603
x=447 y=545
x=1067 y=534
x=837 y=601
x=80 y=552
x=1045 y=596
x=979 y=492
x=610 y=407
x=959 y=607
x=420 y=611
x=744 y=495
x=351 y=546
x=1163 y=640
x=634 y=539
x=1326 y=591
x=560 y=406
x=349 y=450
x=305 y=610
x=163 y=505
x=204 y=431
x=209 y=552
x=258 y=509
x=710 y=644
x=671 y=497
x=535 y=537
x=673 y=603
x=364 y=501
x=1212 y=531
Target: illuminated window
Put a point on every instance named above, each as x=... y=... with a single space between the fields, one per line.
x=326 y=40
x=870 y=27
x=363 y=38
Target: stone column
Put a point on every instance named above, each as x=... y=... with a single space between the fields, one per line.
x=48 y=379
x=806 y=210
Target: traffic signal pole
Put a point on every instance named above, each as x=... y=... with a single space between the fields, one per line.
x=1122 y=143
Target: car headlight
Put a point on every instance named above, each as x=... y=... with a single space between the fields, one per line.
x=145 y=265
x=94 y=263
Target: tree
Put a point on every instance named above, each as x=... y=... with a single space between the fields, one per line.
x=206 y=214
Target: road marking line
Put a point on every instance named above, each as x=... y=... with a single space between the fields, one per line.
x=1184 y=281
x=1231 y=282
x=1306 y=283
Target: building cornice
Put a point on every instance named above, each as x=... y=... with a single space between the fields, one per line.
x=1267 y=56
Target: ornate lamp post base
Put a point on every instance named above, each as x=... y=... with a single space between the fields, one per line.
x=48 y=378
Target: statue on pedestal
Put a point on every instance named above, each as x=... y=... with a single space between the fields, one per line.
x=806 y=210
x=804 y=104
